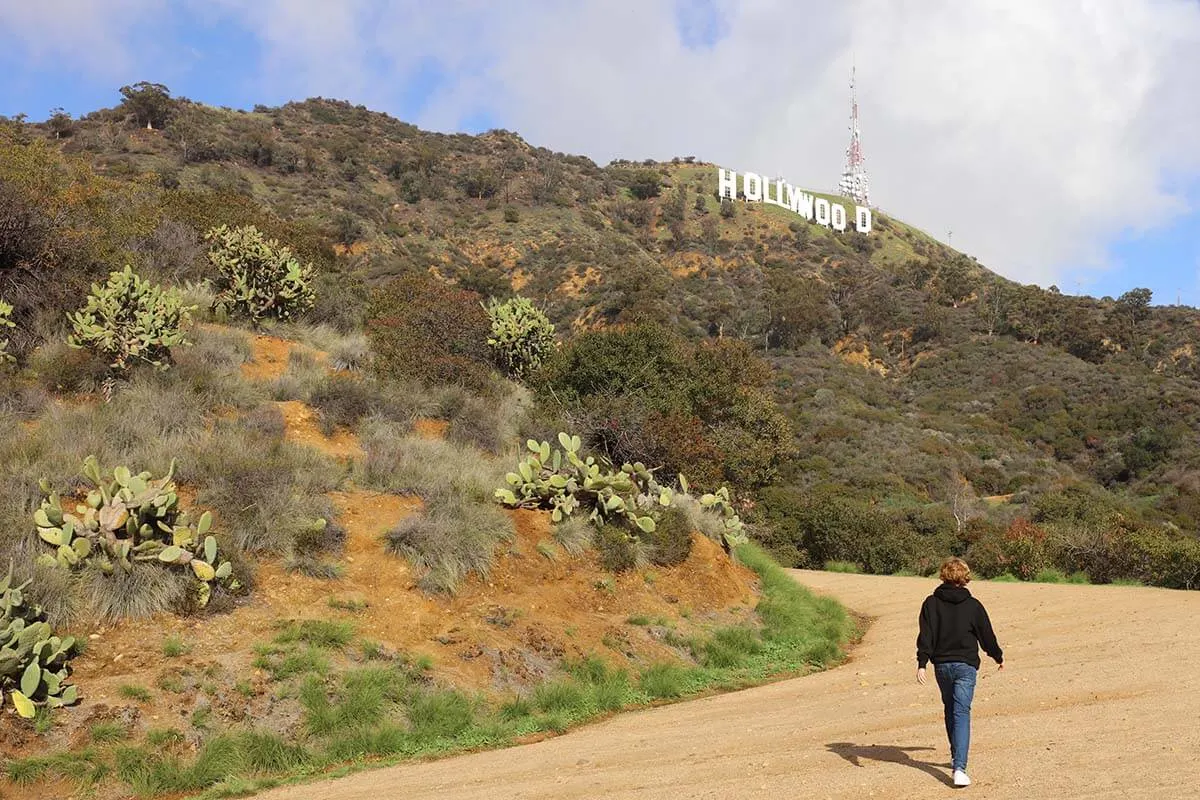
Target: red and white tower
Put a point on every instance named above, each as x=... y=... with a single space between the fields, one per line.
x=854 y=178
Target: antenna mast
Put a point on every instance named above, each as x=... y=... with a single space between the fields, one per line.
x=854 y=178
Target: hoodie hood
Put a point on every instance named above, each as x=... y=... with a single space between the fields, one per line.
x=950 y=593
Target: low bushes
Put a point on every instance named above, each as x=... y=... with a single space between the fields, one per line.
x=268 y=493
x=809 y=528
x=420 y=327
x=448 y=540
x=642 y=393
x=671 y=541
x=826 y=527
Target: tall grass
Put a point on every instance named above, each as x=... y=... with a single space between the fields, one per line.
x=799 y=627
x=449 y=540
x=245 y=753
x=399 y=462
x=267 y=493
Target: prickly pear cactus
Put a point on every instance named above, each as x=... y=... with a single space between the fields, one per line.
x=5 y=322
x=258 y=277
x=522 y=336
x=129 y=321
x=565 y=482
x=719 y=503
x=128 y=519
x=33 y=661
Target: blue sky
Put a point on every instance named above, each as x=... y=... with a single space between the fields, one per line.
x=1076 y=165
x=1164 y=258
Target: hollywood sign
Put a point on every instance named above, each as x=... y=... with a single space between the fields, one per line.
x=757 y=189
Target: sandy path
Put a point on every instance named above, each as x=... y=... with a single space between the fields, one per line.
x=1100 y=700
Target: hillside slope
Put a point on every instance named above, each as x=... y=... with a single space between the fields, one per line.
x=916 y=381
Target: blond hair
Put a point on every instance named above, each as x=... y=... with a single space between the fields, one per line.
x=955 y=570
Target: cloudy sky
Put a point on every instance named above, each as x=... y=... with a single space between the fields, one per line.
x=1058 y=141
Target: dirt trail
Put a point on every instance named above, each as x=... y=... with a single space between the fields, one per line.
x=1100 y=699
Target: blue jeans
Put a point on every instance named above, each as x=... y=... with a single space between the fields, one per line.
x=957 y=682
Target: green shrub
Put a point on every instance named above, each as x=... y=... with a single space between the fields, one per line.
x=1021 y=549
x=1163 y=558
x=642 y=393
x=662 y=681
x=522 y=336
x=258 y=278
x=340 y=300
x=842 y=566
x=511 y=214
x=671 y=541
x=645 y=184
x=420 y=327
x=810 y=528
x=1050 y=575
x=130 y=321
x=617 y=548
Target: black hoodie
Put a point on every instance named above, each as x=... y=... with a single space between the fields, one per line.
x=953 y=626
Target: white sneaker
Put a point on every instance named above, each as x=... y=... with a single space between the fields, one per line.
x=960 y=778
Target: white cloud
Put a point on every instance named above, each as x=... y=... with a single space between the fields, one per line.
x=1036 y=131
x=82 y=37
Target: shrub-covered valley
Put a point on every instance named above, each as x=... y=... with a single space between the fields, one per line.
x=330 y=441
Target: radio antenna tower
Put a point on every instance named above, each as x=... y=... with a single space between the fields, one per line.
x=854 y=177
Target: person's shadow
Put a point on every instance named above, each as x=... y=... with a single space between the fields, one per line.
x=891 y=754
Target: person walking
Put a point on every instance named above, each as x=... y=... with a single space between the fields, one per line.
x=953 y=625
